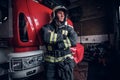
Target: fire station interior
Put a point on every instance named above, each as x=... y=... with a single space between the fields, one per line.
x=97 y=25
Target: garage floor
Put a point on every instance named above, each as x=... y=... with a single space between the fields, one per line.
x=84 y=71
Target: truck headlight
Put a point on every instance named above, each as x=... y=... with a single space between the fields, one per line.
x=16 y=64
x=32 y=61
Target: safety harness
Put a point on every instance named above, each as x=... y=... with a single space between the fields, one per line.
x=57 y=55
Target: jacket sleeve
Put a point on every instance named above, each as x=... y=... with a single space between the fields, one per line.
x=69 y=40
x=72 y=36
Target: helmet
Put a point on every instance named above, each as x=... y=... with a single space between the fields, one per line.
x=57 y=8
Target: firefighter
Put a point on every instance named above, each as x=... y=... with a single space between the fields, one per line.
x=58 y=37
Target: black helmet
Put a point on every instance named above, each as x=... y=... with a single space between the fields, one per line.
x=57 y=8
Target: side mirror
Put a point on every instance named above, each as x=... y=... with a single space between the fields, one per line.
x=3 y=11
x=3 y=15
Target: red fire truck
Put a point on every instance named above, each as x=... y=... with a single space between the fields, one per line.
x=20 y=42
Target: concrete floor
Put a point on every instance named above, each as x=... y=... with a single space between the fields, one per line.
x=84 y=71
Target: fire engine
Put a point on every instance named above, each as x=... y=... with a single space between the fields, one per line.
x=20 y=43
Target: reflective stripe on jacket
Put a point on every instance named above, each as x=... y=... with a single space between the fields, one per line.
x=54 y=59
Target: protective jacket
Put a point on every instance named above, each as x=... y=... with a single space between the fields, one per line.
x=60 y=38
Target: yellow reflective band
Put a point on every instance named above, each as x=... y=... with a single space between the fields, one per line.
x=50 y=48
x=54 y=59
x=68 y=41
x=51 y=37
x=66 y=32
x=65 y=43
x=55 y=37
x=63 y=31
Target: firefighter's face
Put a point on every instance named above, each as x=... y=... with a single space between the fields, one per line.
x=61 y=15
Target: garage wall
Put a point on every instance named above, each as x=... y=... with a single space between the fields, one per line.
x=94 y=18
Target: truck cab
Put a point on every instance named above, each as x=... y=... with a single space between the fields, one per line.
x=21 y=48
x=19 y=44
